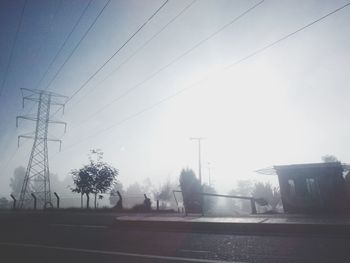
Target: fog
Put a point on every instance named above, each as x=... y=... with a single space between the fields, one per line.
x=285 y=105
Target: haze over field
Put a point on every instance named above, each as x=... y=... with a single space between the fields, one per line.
x=285 y=105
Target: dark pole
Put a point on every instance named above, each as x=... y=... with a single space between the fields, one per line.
x=120 y=201
x=252 y=203
x=199 y=162
x=177 y=203
x=58 y=199
x=34 y=197
x=209 y=174
x=14 y=201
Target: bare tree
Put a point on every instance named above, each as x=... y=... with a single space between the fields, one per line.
x=243 y=188
x=164 y=193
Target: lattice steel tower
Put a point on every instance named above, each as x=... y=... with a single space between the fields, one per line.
x=37 y=177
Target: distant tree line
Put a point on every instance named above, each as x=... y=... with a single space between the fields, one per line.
x=98 y=177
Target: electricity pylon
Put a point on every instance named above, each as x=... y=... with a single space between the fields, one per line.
x=37 y=177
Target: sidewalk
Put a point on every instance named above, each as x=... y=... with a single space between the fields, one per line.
x=262 y=218
x=260 y=224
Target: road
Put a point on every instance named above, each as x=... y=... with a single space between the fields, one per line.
x=36 y=241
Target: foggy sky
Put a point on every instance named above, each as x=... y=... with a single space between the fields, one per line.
x=286 y=105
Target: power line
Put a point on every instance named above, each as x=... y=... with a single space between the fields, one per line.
x=77 y=45
x=287 y=36
x=138 y=50
x=60 y=49
x=151 y=76
x=258 y=51
x=202 y=41
x=54 y=59
x=64 y=43
x=49 y=28
x=114 y=54
x=46 y=37
x=156 y=104
x=117 y=51
x=4 y=80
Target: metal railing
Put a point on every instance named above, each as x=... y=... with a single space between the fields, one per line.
x=252 y=200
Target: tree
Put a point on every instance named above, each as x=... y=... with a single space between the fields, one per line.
x=265 y=191
x=134 y=195
x=4 y=203
x=94 y=178
x=57 y=185
x=328 y=158
x=17 y=179
x=61 y=186
x=83 y=182
x=209 y=202
x=164 y=194
x=191 y=189
x=243 y=188
x=147 y=186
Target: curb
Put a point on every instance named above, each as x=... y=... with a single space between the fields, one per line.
x=272 y=229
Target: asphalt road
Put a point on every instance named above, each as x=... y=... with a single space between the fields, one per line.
x=36 y=241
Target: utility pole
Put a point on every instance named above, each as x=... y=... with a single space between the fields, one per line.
x=199 y=139
x=209 y=174
x=37 y=178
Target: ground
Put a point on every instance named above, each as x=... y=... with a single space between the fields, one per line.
x=93 y=237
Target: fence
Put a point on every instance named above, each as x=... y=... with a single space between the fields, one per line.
x=72 y=200
x=208 y=205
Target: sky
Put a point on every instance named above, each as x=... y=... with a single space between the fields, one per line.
x=288 y=104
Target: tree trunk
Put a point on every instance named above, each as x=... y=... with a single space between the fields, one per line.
x=95 y=201
x=87 y=201
x=81 y=201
